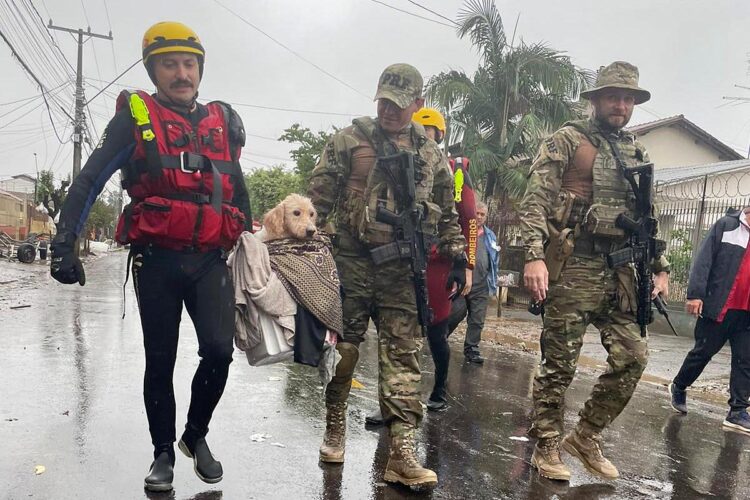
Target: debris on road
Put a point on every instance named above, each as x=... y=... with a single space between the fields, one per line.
x=259 y=438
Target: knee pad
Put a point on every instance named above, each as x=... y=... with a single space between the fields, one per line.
x=349 y=356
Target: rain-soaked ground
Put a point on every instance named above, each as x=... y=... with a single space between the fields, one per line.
x=71 y=402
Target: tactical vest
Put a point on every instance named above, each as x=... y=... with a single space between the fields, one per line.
x=356 y=211
x=611 y=192
x=179 y=179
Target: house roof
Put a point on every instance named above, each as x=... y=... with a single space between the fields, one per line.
x=25 y=176
x=6 y=194
x=681 y=174
x=690 y=127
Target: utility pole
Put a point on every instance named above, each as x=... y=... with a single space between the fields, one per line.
x=80 y=103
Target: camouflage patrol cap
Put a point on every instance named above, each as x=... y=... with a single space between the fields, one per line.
x=400 y=83
x=619 y=75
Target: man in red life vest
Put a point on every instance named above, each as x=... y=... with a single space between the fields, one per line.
x=439 y=267
x=189 y=204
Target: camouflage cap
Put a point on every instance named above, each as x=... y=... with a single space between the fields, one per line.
x=619 y=75
x=400 y=83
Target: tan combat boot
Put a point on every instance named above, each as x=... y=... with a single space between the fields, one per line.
x=546 y=458
x=403 y=466
x=332 y=449
x=587 y=448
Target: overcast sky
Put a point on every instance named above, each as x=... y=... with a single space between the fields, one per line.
x=690 y=53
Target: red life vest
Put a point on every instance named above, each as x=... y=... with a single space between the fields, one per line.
x=179 y=179
x=439 y=266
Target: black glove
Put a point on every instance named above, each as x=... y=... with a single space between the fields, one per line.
x=66 y=267
x=457 y=275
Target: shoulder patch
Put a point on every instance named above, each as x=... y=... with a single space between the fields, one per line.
x=551 y=147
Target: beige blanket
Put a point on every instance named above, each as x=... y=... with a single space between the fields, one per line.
x=256 y=289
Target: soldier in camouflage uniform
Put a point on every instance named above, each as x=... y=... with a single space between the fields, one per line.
x=346 y=189
x=574 y=195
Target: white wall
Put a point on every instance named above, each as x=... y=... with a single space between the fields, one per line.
x=16 y=186
x=674 y=147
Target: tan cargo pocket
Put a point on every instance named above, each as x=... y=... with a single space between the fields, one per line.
x=627 y=299
x=431 y=218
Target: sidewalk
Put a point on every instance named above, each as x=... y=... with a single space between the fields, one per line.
x=520 y=330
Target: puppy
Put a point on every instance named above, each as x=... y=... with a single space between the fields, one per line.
x=294 y=217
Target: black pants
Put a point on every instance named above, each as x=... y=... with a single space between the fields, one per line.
x=437 y=337
x=164 y=280
x=473 y=307
x=710 y=337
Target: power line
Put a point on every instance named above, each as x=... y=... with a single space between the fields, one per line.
x=262 y=137
x=291 y=110
x=260 y=155
x=411 y=13
x=30 y=98
x=113 y=81
x=111 y=43
x=433 y=12
x=295 y=53
x=36 y=79
x=248 y=105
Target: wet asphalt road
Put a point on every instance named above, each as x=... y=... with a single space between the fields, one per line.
x=71 y=402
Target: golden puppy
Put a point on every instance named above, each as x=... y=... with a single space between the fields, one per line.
x=294 y=217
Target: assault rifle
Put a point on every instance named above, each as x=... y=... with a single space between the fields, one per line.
x=410 y=242
x=642 y=247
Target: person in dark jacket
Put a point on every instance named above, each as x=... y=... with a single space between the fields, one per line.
x=189 y=204
x=719 y=296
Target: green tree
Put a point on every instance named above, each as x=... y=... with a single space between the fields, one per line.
x=680 y=255
x=267 y=187
x=519 y=93
x=311 y=145
x=48 y=195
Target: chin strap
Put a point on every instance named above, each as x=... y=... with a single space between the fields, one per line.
x=168 y=100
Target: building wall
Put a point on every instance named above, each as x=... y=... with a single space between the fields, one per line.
x=12 y=215
x=674 y=147
x=18 y=186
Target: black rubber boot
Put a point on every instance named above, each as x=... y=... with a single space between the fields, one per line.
x=161 y=474
x=437 y=400
x=437 y=336
x=206 y=467
x=374 y=419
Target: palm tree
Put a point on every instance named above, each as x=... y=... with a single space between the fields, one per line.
x=520 y=93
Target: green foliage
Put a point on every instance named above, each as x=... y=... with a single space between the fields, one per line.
x=311 y=145
x=267 y=187
x=680 y=255
x=520 y=93
x=48 y=195
x=102 y=216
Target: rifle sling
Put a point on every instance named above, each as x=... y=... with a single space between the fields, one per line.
x=622 y=165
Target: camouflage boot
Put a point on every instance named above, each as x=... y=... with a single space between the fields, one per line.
x=332 y=449
x=546 y=458
x=586 y=446
x=403 y=466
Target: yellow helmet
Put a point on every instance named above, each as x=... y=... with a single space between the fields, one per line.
x=430 y=117
x=171 y=36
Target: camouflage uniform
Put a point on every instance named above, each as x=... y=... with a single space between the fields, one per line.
x=346 y=189
x=577 y=160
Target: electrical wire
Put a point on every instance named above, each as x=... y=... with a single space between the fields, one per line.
x=411 y=13
x=433 y=12
x=290 y=50
x=111 y=42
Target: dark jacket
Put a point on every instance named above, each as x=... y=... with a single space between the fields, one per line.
x=717 y=263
